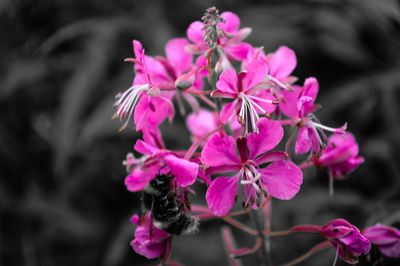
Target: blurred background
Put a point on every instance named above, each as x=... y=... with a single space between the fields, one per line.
x=62 y=196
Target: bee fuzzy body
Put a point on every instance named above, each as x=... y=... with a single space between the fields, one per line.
x=168 y=210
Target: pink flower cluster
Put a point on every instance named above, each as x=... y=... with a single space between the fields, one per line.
x=241 y=101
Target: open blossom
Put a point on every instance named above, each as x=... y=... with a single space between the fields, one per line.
x=157 y=159
x=299 y=105
x=347 y=240
x=246 y=159
x=230 y=42
x=387 y=239
x=248 y=94
x=281 y=64
x=149 y=241
x=340 y=155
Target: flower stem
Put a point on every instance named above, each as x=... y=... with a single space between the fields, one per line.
x=315 y=249
x=260 y=230
x=240 y=226
x=192 y=149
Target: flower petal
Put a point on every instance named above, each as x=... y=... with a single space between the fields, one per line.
x=227 y=81
x=220 y=150
x=231 y=22
x=256 y=72
x=201 y=123
x=221 y=195
x=184 y=171
x=238 y=51
x=303 y=141
x=138 y=179
x=227 y=112
x=282 y=62
x=177 y=57
x=195 y=32
x=270 y=134
x=289 y=104
x=282 y=179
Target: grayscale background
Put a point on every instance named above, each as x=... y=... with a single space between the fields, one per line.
x=62 y=196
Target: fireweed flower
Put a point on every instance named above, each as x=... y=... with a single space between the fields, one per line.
x=299 y=106
x=246 y=159
x=157 y=159
x=149 y=241
x=386 y=238
x=144 y=100
x=340 y=155
x=249 y=94
x=347 y=240
x=230 y=43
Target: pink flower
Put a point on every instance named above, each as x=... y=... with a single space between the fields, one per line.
x=347 y=240
x=249 y=94
x=299 y=105
x=230 y=43
x=149 y=241
x=387 y=239
x=246 y=159
x=144 y=99
x=340 y=155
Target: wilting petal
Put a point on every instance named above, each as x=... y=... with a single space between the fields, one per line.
x=238 y=51
x=382 y=234
x=391 y=250
x=270 y=134
x=228 y=111
x=282 y=179
x=282 y=62
x=184 y=170
x=256 y=72
x=177 y=57
x=221 y=195
x=195 y=32
x=303 y=141
x=231 y=22
x=227 y=81
x=220 y=150
x=138 y=179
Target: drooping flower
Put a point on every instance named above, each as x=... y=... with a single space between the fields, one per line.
x=387 y=239
x=144 y=99
x=299 y=105
x=149 y=241
x=340 y=155
x=248 y=92
x=246 y=159
x=230 y=42
x=157 y=159
x=347 y=240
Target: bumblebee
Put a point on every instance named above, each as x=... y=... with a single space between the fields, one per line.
x=169 y=210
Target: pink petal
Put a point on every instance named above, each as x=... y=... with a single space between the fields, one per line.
x=151 y=111
x=227 y=81
x=220 y=150
x=228 y=111
x=238 y=51
x=137 y=180
x=195 y=32
x=289 y=104
x=231 y=22
x=257 y=71
x=282 y=179
x=310 y=90
x=145 y=148
x=269 y=136
x=391 y=250
x=201 y=123
x=221 y=195
x=184 y=170
x=177 y=57
x=282 y=62
x=303 y=141
x=382 y=234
